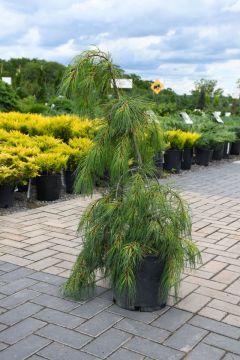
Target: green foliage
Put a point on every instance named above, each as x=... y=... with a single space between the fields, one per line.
x=38 y=78
x=125 y=225
x=30 y=105
x=8 y=98
x=59 y=105
x=136 y=216
x=93 y=72
x=233 y=125
x=213 y=134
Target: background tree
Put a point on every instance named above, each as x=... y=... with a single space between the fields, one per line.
x=207 y=91
x=33 y=77
x=8 y=98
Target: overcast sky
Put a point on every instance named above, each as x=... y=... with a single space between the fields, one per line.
x=177 y=41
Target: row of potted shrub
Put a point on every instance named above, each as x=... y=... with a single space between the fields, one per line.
x=30 y=155
x=42 y=157
x=211 y=142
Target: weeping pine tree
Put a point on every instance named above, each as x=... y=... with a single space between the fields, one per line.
x=135 y=216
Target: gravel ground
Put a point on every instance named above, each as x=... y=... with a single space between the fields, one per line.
x=21 y=202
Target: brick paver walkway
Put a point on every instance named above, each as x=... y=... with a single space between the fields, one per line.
x=38 y=248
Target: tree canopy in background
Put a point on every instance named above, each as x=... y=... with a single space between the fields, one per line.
x=34 y=77
x=36 y=82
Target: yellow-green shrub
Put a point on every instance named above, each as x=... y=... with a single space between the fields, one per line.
x=17 y=164
x=190 y=138
x=178 y=139
x=46 y=143
x=63 y=127
x=174 y=139
x=51 y=162
x=78 y=149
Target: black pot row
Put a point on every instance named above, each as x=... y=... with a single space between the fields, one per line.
x=48 y=188
x=175 y=160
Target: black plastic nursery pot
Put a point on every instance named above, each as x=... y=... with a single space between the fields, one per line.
x=48 y=187
x=172 y=160
x=235 y=150
x=203 y=156
x=69 y=181
x=187 y=157
x=148 y=296
x=6 y=195
x=218 y=152
x=227 y=150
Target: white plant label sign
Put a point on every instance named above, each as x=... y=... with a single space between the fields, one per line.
x=228 y=148
x=186 y=118
x=7 y=80
x=123 y=83
x=216 y=115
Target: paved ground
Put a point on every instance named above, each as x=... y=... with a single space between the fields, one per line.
x=38 y=248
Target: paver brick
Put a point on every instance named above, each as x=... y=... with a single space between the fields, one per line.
x=16 y=260
x=44 y=263
x=223 y=342
x=16 y=273
x=224 y=306
x=144 y=330
x=19 y=313
x=91 y=308
x=18 y=298
x=17 y=285
x=153 y=350
x=3 y=346
x=172 y=319
x=215 y=326
x=226 y=277
x=204 y=351
x=56 y=351
x=46 y=288
x=65 y=336
x=24 y=348
x=213 y=266
x=193 y=302
x=36 y=357
x=55 y=302
x=7 y=267
x=232 y=320
x=234 y=288
x=99 y=323
x=185 y=338
x=212 y=313
x=21 y=330
x=207 y=283
x=107 y=343
x=231 y=357
x=41 y=254
x=59 y=318
x=48 y=278
x=123 y=354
